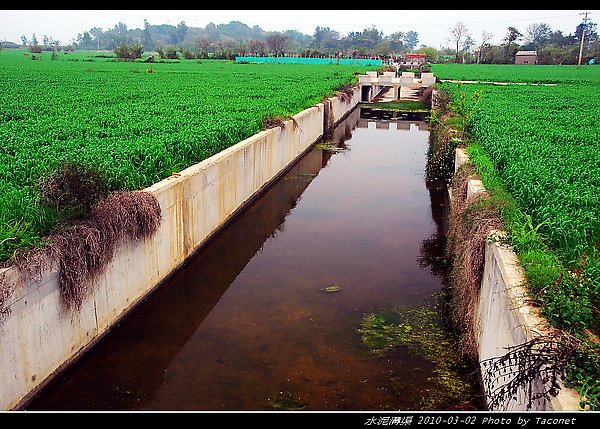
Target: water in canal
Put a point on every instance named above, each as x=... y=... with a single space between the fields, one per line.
x=325 y=293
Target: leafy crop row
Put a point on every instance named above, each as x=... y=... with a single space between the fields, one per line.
x=545 y=143
x=136 y=122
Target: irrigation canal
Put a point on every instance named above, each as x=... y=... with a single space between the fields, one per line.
x=325 y=293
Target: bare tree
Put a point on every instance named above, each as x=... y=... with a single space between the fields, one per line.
x=276 y=43
x=458 y=34
x=241 y=49
x=256 y=47
x=224 y=48
x=203 y=44
x=486 y=36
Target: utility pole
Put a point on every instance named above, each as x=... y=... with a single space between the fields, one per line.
x=582 y=37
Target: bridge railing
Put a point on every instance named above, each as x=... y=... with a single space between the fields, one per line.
x=391 y=79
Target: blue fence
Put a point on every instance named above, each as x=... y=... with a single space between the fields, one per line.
x=306 y=60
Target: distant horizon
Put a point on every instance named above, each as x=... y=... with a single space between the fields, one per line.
x=432 y=26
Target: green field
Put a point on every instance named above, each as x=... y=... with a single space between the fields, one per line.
x=544 y=142
x=524 y=73
x=136 y=122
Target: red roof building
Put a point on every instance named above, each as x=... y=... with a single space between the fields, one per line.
x=412 y=60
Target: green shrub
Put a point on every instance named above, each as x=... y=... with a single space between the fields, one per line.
x=129 y=52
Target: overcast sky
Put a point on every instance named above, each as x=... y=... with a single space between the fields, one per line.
x=432 y=26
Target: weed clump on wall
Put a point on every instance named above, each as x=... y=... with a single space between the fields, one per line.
x=472 y=221
x=84 y=249
x=94 y=219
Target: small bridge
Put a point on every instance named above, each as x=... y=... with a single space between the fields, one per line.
x=404 y=86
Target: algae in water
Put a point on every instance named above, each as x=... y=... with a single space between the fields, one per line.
x=329 y=146
x=286 y=402
x=332 y=288
x=423 y=332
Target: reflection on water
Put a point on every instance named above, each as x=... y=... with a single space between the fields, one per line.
x=384 y=116
x=247 y=323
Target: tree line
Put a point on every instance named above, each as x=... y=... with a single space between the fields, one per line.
x=226 y=41
x=551 y=46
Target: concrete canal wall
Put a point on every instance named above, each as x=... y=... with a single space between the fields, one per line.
x=506 y=318
x=39 y=335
